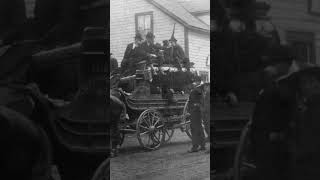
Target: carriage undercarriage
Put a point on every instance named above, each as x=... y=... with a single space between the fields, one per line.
x=154 y=121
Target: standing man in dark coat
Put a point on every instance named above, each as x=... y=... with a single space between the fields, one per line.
x=134 y=53
x=198 y=139
x=205 y=108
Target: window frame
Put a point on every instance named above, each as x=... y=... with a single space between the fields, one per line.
x=144 y=14
x=205 y=74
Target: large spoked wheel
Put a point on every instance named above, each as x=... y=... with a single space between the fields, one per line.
x=187 y=119
x=103 y=171
x=150 y=129
x=168 y=133
x=243 y=163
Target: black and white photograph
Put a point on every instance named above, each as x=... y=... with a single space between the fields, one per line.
x=160 y=83
x=265 y=108
x=53 y=98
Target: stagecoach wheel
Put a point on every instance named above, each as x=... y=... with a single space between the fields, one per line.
x=168 y=133
x=103 y=171
x=186 y=119
x=150 y=129
x=243 y=165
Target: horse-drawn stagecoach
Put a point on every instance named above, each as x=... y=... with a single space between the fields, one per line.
x=152 y=117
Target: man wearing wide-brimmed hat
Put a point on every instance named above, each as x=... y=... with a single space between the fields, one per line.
x=177 y=55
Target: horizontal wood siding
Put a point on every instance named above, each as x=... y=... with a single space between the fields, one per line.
x=199 y=50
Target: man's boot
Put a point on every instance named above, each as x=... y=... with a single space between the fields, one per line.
x=194 y=148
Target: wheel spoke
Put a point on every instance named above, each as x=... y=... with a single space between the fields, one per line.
x=149 y=117
x=147 y=121
x=161 y=126
x=167 y=132
x=159 y=135
x=156 y=122
x=155 y=136
x=154 y=117
x=146 y=132
x=143 y=127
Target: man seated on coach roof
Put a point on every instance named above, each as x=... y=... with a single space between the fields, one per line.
x=166 y=51
x=178 y=57
x=148 y=44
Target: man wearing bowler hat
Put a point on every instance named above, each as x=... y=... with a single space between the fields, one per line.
x=134 y=54
x=148 y=45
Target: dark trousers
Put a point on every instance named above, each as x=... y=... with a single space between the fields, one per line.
x=196 y=127
x=115 y=115
x=206 y=122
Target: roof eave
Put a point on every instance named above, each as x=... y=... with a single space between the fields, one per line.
x=201 y=30
x=178 y=19
x=199 y=13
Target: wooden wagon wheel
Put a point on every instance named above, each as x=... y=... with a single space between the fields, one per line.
x=242 y=161
x=150 y=129
x=103 y=171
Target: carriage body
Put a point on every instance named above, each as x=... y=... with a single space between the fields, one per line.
x=146 y=99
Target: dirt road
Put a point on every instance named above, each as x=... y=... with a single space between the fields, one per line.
x=170 y=162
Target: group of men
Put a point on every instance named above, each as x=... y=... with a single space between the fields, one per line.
x=171 y=53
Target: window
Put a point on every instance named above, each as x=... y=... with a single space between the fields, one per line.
x=144 y=23
x=204 y=76
x=314 y=7
x=303 y=45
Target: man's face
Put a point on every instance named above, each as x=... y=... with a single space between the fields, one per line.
x=173 y=43
x=138 y=41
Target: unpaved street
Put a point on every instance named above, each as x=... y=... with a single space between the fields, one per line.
x=170 y=162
